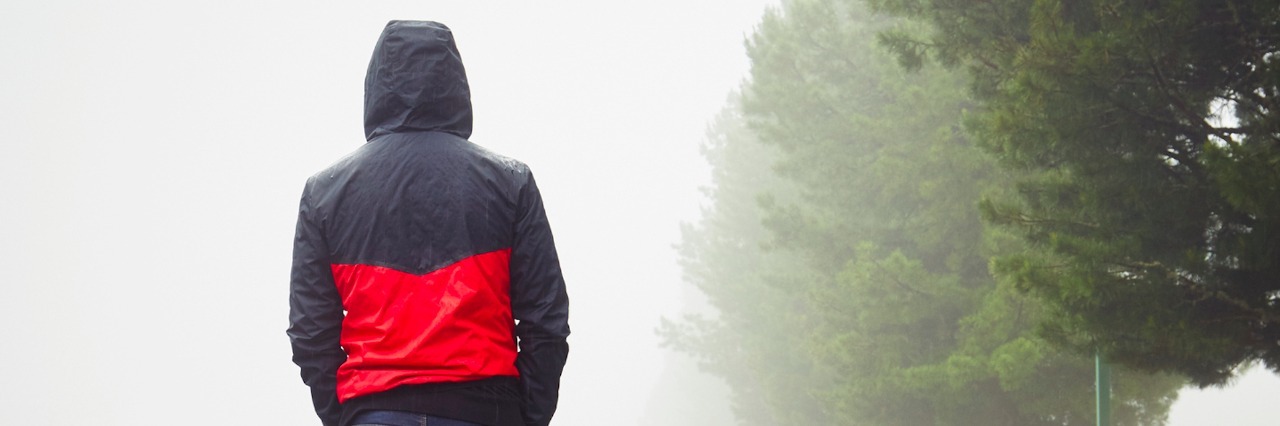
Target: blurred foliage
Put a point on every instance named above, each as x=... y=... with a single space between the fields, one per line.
x=1146 y=139
x=845 y=253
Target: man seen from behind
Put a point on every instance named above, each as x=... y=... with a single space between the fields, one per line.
x=425 y=287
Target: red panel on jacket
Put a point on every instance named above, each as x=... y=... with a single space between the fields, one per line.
x=450 y=325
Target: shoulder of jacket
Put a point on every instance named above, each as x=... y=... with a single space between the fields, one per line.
x=338 y=167
x=509 y=164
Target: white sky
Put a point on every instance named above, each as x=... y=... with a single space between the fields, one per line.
x=153 y=153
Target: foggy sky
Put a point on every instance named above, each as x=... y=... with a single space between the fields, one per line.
x=154 y=152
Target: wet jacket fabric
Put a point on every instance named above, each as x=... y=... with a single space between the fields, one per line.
x=422 y=261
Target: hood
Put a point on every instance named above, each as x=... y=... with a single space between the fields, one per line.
x=416 y=82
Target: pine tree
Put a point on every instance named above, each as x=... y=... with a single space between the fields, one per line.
x=845 y=251
x=1149 y=146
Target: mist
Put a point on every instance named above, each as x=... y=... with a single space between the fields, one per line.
x=154 y=153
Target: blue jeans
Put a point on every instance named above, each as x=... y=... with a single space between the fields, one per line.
x=402 y=418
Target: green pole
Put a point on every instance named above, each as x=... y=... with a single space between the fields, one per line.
x=1102 y=389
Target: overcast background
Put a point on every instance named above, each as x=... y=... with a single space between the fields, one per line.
x=153 y=154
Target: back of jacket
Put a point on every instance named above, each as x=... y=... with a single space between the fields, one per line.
x=417 y=254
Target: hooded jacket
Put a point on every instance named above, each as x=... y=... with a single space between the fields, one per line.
x=422 y=261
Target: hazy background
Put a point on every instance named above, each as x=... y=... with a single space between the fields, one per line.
x=154 y=152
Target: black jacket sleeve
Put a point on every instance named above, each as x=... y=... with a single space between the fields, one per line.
x=540 y=306
x=315 y=315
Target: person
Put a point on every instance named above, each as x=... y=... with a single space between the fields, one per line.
x=425 y=281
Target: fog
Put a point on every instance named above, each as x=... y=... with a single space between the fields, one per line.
x=154 y=153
